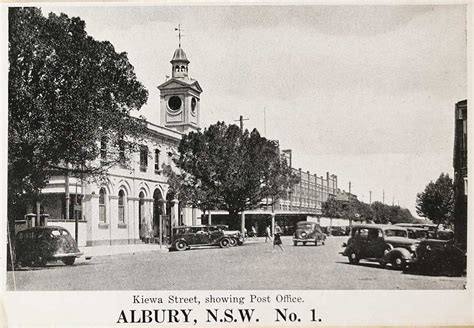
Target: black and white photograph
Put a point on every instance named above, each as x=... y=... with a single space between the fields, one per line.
x=247 y=164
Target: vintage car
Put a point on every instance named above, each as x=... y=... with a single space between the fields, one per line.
x=435 y=256
x=185 y=237
x=386 y=244
x=338 y=231
x=417 y=233
x=308 y=232
x=36 y=246
x=236 y=237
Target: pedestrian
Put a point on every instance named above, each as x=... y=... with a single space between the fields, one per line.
x=254 y=233
x=277 y=239
x=268 y=233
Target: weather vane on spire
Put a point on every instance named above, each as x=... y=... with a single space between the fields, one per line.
x=179 y=33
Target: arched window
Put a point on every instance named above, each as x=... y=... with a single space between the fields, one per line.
x=176 y=68
x=102 y=207
x=121 y=206
x=183 y=68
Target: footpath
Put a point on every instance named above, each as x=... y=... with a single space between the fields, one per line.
x=106 y=250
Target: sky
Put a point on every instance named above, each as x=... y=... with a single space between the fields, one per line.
x=363 y=92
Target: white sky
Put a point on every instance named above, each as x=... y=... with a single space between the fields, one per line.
x=364 y=92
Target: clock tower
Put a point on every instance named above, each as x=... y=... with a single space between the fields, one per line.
x=180 y=96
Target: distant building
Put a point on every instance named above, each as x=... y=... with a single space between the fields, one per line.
x=310 y=193
x=460 y=172
x=345 y=196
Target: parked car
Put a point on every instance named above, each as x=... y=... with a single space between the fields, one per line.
x=308 y=232
x=338 y=231
x=417 y=233
x=38 y=245
x=236 y=237
x=445 y=234
x=434 y=256
x=185 y=237
x=386 y=244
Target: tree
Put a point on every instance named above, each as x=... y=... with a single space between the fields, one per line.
x=66 y=93
x=226 y=168
x=436 y=202
x=332 y=208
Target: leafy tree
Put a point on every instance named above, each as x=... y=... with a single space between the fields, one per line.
x=229 y=169
x=436 y=202
x=67 y=92
x=380 y=212
x=332 y=208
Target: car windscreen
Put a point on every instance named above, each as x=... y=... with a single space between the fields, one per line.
x=305 y=225
x=395 y=233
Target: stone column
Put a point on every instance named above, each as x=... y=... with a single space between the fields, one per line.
x=174 y=216
x=92 y=214
x=113 y=218
x=209 y=221
x=273 y=224
x=194 y=216
x=149 y=218
x=242 y=222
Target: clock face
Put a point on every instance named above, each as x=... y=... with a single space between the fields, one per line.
x=174 y=103
x=193 y=105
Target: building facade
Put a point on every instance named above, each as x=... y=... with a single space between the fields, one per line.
x=134 y=203
x=460 y=172
x=309 y=193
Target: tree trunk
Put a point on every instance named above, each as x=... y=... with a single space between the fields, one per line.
x=234 y=218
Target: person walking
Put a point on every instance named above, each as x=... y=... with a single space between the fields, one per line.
x=268 y=233
x=254 y=233
x=277 y=239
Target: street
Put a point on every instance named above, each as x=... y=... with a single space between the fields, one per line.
x=252 y=266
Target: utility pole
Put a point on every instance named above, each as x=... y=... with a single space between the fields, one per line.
x=383 y=197
x=241 y=120
x=349 y=192
x=264 y=123
x=370 y=197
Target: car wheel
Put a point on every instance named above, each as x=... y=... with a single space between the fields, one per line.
x=224 y=243
x=353 y=258
x=304 y=243
x=180 y=245
x=295 y=243
x=232 y=242
x=397 y=262
x=69 y=260
x=316 y=242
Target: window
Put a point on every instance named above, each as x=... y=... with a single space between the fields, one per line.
x=157 y=160
x=121 y=206
x=143 y=158
x=102 y=208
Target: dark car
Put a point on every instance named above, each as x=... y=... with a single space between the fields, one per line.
x=338 y=231
x=380 y=243
x=417 y=233
x=235 y=236
x=434 y=256
x=308 y=232
x=185 y=237
x=38 y=245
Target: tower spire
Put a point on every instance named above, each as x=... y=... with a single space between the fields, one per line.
x=179 y=34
